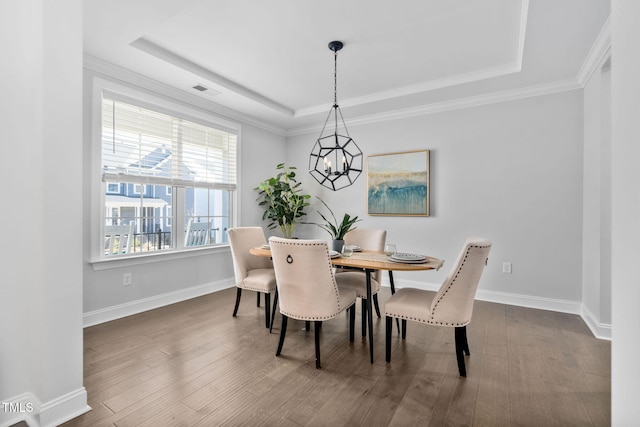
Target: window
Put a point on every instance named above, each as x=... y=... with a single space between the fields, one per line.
x=159 y=170
x=113 y=187
x=139 y=189
x=207 y=205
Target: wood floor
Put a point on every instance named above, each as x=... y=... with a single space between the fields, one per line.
x=193 y=364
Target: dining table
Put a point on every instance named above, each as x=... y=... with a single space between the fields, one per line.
x=369 y=262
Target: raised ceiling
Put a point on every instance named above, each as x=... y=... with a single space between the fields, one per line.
x=269 y=60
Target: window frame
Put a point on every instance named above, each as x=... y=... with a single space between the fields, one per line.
x=117 y=184
x=166 y=105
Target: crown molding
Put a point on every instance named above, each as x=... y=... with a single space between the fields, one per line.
x=417 y=88
x=598 y=54
x=455 y=104
x=126 y=76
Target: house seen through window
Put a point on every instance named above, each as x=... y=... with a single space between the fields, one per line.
x=168 y=183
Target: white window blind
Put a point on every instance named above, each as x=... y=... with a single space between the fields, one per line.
x=148 y=147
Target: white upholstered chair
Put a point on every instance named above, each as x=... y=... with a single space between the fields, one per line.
x=306 y=286
x=451 y=306
x=118 y=239
x=252 y=272
x=368 y=239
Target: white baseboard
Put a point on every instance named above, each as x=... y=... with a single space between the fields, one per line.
x=599 y=330
x=134 y=307
x=28 y=408
x=541 y=303
x=64 y=408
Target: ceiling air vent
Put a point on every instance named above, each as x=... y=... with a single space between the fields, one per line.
x=205 y=90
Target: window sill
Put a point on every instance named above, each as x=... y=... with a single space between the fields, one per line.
x=126 y=261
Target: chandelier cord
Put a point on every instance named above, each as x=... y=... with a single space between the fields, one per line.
x=335 y=78
x=336 y=107
x=335 y=89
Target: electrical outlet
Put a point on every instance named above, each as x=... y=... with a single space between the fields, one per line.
x=506 y=267
x=127 y=279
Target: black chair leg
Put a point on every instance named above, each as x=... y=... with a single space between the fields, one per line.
x=273 y=311
x=283 y=331
x=404 y=328
x=466 y=343
x=316 y=329
x=364 y=317
x=352 y=322
x=461 y=338
x=388 y=330
x=238 y=295
x=375 y=304
x=393 y=291
x=258 y=303
x=393 y=286
x=267 y=309
x=307 y=325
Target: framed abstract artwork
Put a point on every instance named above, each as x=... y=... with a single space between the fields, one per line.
x=398 y=183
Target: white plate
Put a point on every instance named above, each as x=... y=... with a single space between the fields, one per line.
x=419 y=261
x=334 y=254
x=357 y=249
x=265 y=246
x=402 y=257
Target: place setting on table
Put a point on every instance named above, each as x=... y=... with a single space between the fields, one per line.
x=390 y=257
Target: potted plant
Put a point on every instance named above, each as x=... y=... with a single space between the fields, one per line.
x=282 y=199
x=337 y=230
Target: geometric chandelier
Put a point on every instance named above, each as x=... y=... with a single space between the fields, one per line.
x=335 y=160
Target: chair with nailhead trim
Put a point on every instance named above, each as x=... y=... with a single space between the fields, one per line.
x=307 y=287
x=252 y=272
x=451 y=306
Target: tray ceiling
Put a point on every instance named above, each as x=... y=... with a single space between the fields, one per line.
x=270 y=60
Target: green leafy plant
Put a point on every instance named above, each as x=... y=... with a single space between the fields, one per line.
x=336 y=230
x=282 y=199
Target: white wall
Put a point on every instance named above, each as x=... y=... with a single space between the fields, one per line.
x=510 y=172
x=163 y=280
x=596 y=266
x=625 y=69
x=41 y=292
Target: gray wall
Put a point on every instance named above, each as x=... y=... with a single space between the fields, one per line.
x=510 y=172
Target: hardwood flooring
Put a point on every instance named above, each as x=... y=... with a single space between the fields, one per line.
x=193 y=364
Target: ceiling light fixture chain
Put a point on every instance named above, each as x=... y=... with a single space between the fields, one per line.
x=335 y=160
